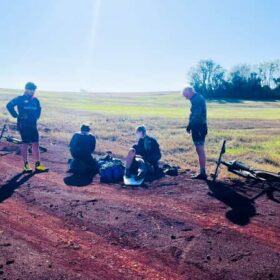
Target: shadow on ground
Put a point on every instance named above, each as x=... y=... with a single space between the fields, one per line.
x=75 y=180
x=7 y=190
x=242 y=208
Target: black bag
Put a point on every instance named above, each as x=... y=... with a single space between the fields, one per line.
x=170 y=170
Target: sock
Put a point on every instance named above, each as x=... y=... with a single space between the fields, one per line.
x=202 y=171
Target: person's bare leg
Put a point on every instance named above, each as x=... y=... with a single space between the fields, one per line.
x=24 y=152
x=130 y=158
x=202 y=158
x=35 y=152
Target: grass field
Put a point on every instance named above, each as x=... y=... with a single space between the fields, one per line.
x=251 y=128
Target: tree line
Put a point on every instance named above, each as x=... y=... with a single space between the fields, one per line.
x=243 y=81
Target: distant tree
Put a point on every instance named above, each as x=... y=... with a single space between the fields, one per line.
x=238 y=82
x=243 y=81
x=277 y=82
x=240 y=73
x=269 y=72
x=207 y=77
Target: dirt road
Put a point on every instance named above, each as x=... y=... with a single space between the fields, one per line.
x=174 y=228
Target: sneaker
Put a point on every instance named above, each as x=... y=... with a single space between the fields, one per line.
x=27 y=168
x=200 y=176
x=41 y=168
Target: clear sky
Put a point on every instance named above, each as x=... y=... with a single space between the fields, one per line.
x=130 y=45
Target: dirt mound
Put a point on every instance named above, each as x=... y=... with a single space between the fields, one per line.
x=174 y=228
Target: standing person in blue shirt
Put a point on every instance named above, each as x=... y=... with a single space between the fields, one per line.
x=27 y=113
x=198 y=127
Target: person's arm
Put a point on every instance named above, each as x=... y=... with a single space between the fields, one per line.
x=39 y=110
x=73 y=142
x=137 y=149
x=93 y=143
x=11 y=107
x=197 y=112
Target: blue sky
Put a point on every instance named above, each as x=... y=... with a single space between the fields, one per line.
x=129 y=45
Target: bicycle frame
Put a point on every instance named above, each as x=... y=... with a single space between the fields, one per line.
x=223 y=151
x=241 y=169
x=14 y=140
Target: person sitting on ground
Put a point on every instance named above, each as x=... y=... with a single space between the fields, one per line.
x=148 y=149
x=82 y=145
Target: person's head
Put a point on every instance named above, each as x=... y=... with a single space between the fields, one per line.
x=30 y=89
x=140 y=132
x=188 y=92
x=85 y=128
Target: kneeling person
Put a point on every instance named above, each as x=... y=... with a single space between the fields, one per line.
x=82 y=146
x=143 y=158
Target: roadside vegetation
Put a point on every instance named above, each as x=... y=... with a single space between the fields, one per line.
x=251 y=127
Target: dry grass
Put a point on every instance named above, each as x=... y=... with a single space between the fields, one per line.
x=253 y=136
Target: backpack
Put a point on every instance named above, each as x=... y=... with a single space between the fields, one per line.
x=152 y=148
x=111 y=170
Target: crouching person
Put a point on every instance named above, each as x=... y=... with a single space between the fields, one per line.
x=143 y=158
x=82 y=146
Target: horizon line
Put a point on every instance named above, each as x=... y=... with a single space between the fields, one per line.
x=95 y=92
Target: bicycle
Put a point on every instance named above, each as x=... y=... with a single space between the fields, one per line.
x=241 y=169
x=14 y=140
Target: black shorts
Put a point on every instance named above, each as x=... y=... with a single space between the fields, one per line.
x=199 y=133
x=29 y=135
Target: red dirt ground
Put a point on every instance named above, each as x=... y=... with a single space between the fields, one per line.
x=174 y=228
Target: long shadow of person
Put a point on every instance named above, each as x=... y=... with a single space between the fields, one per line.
x=242 y=208
x=8 y=189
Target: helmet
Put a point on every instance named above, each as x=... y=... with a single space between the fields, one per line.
x=30 y=86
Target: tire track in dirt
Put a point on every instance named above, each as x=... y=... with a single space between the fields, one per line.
x=171 y=208
x=176 y=209
x=49 y=235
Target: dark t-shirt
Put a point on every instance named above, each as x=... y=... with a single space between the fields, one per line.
x=82 y=144
x=28 y=110
x=198 y=115
x=149 y=149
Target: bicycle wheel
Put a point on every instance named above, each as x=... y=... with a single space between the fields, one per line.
x=268 y=176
